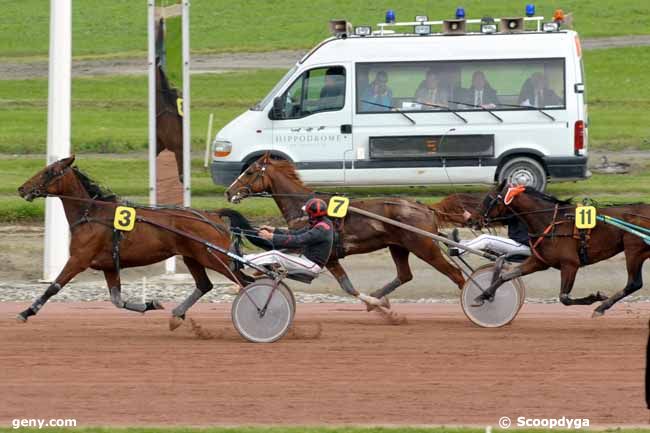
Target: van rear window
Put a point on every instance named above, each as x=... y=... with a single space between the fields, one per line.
x=461 y=85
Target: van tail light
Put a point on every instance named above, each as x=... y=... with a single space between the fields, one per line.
x=579 y=137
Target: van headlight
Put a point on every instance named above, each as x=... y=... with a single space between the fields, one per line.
x=221 y=148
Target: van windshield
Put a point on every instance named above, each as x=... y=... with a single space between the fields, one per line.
x=264 y=102
x=508 y=84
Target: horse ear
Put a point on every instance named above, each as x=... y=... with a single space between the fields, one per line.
x=69 y=160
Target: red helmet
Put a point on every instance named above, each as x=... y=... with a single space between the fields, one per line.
x=315 y=208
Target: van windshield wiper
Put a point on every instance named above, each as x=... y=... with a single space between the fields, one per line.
x=479 y=106
x=445 y=108
x=529 y=107
x=395 y=109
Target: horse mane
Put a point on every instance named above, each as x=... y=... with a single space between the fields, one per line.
x=169 y=93
x=542 y=195
x=93 y=189
x=288 y=169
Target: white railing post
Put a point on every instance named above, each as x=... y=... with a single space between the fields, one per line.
x=57 y=232
x=187 y=134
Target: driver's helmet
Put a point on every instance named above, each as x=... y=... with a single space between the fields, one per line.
x=315 y=208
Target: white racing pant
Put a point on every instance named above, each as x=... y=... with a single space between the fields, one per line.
x=496 y=244
x=288 y=262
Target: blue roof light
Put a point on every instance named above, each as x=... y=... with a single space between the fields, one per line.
x=530 y=10
x=390 y=16
x=460 y=13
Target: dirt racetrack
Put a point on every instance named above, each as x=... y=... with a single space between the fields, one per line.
x=103 y=366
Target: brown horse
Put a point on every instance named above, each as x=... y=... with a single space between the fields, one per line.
x=169 y=123
x=359 y=234
x=555 y=244
x=157 y=235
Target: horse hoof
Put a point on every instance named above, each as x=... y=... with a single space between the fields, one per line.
x=20 y=318
x=385 y=303
x=597 y=313
x=175 y=322
x=156 y=305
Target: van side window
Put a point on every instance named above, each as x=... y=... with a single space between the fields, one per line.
x=506 y=84
x=316 y=90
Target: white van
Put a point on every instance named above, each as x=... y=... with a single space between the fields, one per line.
x=392 y=108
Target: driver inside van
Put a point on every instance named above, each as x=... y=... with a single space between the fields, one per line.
x=378 y=97
x=334 y=83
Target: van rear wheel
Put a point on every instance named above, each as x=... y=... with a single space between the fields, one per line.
x=524 y=171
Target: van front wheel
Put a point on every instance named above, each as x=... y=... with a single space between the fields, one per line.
x=524 y=171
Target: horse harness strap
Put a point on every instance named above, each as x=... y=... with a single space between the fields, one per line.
x=582 y=235
x=540 y=239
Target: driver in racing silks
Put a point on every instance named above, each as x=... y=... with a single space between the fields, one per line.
x=315 y=240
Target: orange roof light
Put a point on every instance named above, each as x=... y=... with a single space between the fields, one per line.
x=558 y=15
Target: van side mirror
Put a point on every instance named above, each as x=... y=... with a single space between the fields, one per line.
x=277 y=108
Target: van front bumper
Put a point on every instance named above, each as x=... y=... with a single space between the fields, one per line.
x=225 y=172
x=567 y=167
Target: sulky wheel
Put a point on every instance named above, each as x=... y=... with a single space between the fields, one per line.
x=261 y=314
x=498 y=312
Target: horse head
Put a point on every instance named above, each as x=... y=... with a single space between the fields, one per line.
x=493 y=205
x=50 y=180
x=257 y=178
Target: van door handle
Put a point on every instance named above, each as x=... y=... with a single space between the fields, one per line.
x=346 y=129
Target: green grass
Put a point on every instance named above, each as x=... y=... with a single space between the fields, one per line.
x=110 y=113
x=128 y=178
x=118 y=27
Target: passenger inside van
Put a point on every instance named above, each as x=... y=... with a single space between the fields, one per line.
x=431 y=92
x=481 y=93
x=536 y=93
x=378 y=97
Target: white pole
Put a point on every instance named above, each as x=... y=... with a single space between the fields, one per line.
x=187 y=135
x=206 y=159
x=151 y=58
x=57 y=233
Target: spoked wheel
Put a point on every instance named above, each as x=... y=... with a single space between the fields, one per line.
x=502 y=310
x=262 y=314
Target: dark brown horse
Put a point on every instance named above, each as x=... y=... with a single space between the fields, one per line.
x=556 y=244
x=169 y=123
x=156 y=236
x=359 y=234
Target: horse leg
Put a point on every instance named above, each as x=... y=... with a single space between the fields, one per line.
x=634 y=281
x=73 y=267
x=115 y=289
x=337 y=270
x=431 y=253
x=401 y=258
x=203 y=286
x=568 y=275
x=528 y=267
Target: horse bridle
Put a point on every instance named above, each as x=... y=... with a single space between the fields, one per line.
x=247 y=187
x=493 y=201
x=39 y=190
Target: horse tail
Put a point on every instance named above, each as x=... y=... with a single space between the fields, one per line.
x=239 y=225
